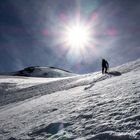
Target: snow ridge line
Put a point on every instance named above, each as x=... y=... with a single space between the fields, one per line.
x=43 y=89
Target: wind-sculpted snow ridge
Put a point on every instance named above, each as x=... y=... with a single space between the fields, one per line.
x=86 y=107
x=130 y=66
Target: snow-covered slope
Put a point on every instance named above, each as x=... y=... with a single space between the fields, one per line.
x=48 y=72
x=83 y=107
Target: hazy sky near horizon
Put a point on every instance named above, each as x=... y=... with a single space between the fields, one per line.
x=30 y=33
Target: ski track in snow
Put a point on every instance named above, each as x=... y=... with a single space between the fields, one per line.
x=86 y=107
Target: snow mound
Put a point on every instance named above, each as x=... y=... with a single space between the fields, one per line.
x=48 y=72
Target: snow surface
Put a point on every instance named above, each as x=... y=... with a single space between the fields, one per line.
x=82 y=107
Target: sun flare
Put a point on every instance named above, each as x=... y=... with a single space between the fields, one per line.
x=77 y=36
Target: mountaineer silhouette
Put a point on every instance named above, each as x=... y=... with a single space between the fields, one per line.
x=105 y=66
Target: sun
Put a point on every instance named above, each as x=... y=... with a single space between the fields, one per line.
x=77 y=36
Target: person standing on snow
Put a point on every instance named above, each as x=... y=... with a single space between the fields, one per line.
x=105 y=66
